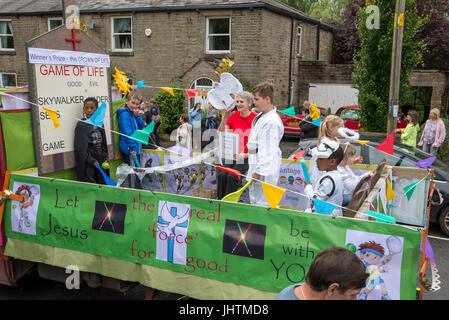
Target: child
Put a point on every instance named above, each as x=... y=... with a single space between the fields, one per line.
x=410 y=133
x=90 y=147
x=264 y=155
x=329 y=187
x=350 y=179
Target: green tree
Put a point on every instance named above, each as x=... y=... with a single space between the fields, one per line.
x=372 y=63
x=171 y=108
x=328 y=10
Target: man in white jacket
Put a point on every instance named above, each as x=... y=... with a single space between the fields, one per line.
x=264 y=154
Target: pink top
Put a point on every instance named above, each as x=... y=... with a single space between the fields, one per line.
x=440 y=133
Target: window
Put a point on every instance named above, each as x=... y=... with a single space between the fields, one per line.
x=203 y=85
x=298 y=38
x=6 y=36
x=53 y=23
x=8 y=79
x=218 y=33
x=122 y=34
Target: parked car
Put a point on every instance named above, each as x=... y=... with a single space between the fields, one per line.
x=351 y=117
x=404 y=156
x=291 y=124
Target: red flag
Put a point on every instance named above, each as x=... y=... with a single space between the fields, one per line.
x=232 y=171
x=298 y=155
x=387 y=145
x=191 y=93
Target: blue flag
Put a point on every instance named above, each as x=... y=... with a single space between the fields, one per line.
x=323 y=207
x=141 y=85
x=107 y=179
x=98 y=117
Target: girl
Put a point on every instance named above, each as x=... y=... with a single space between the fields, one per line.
x=434 y=133
x=410 y=133
x=350 y=179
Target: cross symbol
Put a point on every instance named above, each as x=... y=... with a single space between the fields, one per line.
x=73 y=39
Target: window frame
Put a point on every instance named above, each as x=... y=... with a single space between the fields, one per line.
x=299 y=40
x=217 y=35
x=8 y=73
x=54 y=19
x=114 y=34
x=7 y=35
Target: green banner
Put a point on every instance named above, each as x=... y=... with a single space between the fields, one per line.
x=251 y=246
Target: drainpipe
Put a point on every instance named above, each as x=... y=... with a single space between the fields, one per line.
x=290 y=93
x=318 y=30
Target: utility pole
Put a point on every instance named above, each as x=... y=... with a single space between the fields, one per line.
x=396 y=56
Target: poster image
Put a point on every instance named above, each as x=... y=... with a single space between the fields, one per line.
x=152 y=181
x=382 y=256
x=24 y=214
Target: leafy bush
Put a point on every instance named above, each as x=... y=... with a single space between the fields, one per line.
x=171 y=108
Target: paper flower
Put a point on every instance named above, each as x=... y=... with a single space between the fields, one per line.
x=223 y=94
x=224 y=66
x=121 y=81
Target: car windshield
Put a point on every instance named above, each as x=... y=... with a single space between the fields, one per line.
x=421 y=155
x=350 y=114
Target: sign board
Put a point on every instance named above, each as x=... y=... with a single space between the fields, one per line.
x=229 y=145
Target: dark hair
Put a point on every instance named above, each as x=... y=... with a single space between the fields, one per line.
x=185 y=117
x=338 y=155
x=414 y=115
x=336 y=265
x=264 y=90
x=91 y=99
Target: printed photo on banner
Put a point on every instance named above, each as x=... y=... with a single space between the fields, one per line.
x=109 y=217
x=292 y=178
x=382 y=256
x=151 y=181
x=24 y=214
x=182 y=180
x=208 y=176
x=172 y=224
x=229 y=145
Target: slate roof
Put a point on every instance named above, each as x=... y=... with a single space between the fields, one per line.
x=39 y=7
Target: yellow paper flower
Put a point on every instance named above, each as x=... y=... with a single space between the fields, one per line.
x=121 y=81
x=225 y=65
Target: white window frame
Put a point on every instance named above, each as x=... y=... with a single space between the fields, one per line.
x=54 y=19
x=7 y=35
x=218 y=34
x=8 y=73
x=113 y=34
x=299 y=41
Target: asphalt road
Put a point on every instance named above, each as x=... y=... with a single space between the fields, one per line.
x=31 y=287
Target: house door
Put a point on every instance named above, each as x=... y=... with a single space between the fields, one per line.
x=203 y=85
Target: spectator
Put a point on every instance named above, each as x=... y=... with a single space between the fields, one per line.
x=335 y=274
x=408 y=137
x=184 y=133
x=196 y=115
x=155 y=115
x=434 y=133
x=308 y=130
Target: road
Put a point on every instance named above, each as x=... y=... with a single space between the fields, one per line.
x=31 y=287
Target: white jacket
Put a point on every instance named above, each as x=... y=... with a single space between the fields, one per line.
x=350 y=179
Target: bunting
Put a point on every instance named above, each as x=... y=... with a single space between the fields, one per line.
x=389 y=191
x=191 y=93
x=229 y=170
x=387 y=145
x=273 y=194
x=362 y=142
x=317 y=122
x=142 y=136
x=169 y=90
x=235 y=196
x=323 y=207
x=97 y=118
x=289 y=111
x=380 y=217
x=425 y=163
x=408 y=190
x=53 y=116
x=305 y=171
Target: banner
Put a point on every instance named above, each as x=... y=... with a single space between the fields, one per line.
x=65 y=57
x=233 y=243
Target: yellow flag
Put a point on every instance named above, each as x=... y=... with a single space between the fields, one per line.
x=273 y=194
x=53 y=116
x=362 y=141
x=390 y=192
x=169 y=90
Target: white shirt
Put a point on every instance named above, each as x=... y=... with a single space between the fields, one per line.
x=350 y=179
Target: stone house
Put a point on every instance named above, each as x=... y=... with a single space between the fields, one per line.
x=180 y=42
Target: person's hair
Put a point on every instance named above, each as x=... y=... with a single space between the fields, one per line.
x=414 y=115
x=437 y=112
x=152 y=101
x=264 y=90
x=185 y=117
x=350 y=150
x=330 y=121
x=337 y=155
x=373 y=246
x=133 y=95
x=247 y=96
x=306 y=104
x=196 y=104
x=305 y=110
x=91 y=99
x=336 y=265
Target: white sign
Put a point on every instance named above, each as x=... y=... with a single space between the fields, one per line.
x=64 y=57
x=229 y=145
x=64 y=88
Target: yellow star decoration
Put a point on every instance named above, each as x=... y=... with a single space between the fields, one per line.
x=121 y=81
x=225 y=65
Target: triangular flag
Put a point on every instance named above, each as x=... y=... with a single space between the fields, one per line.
x=298 y=155
x=3 y=93
x=289 y=111
x=323 y=207
x=229 y=170
x=409 y=189
x=53 y=116
x=389 y=191
x=107 y=179
x=428 y=251
x=387 y=145
x=98 y=117
x=380 y=217
x=273 y=194
x=191 y=93
x=425 y=163
x=317 y=122
x=141 y=85
x=142 y=136
x=362 y=142
x=235 y=196
x=305 y=171
x=169 y=90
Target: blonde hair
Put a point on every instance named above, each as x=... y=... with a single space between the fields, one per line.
x=306 y=104
x=349 y=149
x=437 y=112
x=329 y=122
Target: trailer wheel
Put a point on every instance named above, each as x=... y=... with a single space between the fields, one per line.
x=444 y=220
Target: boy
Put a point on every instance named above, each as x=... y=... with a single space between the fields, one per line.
x=90 y=146
x=264 y=154
x=329 y=187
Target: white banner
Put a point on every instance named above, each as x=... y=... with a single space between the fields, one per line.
x=72 y=58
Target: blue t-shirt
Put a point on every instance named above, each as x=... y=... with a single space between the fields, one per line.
x=288 y=293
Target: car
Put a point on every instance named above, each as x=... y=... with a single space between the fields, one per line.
x=291 y=124
x=351 y=117
x=404 y=156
